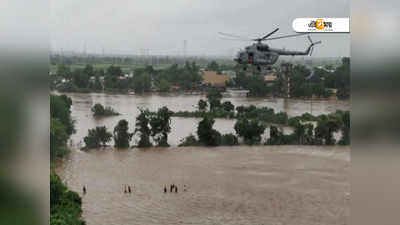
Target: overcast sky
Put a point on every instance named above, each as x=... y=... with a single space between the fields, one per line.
x=128 y=26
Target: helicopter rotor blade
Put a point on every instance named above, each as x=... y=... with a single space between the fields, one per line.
x=233 y=39
x=234 y=36
x=285 y=36
x=312 y=49
x=309 y=38
x=271 y=33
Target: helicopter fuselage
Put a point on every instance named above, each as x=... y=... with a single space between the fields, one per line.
x=257 y=54
x=260 y=54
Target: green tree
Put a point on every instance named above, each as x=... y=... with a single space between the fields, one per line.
x=250 y=130
x=345 y=140
x=202 y=105
x=228 y=106
x=60 y=109
x=92 y=140
x=121 y=135
x=207 y=135
x=142 y=83
x=97 y=84
x=80 y=78
x=114 y=71
x=97 y=137
x=142 y=127
x=163 y=85
x=160 y=126
x=88 y=70
x=299 y=86
x=189 y=141
x=65 y=205
x=104 y=135
x=63 y=71
x=300 y=132
x=275 y=136
x=326 y=126
x=99 y=110
x=342 y=82
x=229 y=140
x=213 y=66
x=58 y=138
x=214 y=97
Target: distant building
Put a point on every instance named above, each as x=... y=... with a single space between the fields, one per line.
x=270 y=77
x=230 y=73
x=214 y=79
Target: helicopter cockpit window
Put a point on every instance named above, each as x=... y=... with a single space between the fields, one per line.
x=262 y=48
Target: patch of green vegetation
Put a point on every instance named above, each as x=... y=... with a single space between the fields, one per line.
x=99 y=110
x=65 y=205
x=97 y=137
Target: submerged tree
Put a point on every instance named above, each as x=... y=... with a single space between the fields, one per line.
x=202 y=105
x=275 y=136
x=250 y=130
x=97 y=137
x=214 y=97
x=142 y=127
x=326 y=126
x=207 y=135
x=160 y=126
x=121 y=135
x=228 y=106
x=99 y=110
x=345 y=140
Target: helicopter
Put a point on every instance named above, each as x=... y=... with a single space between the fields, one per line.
x=262 y=55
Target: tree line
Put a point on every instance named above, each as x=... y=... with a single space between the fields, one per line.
x=65 y=205
x=149 y=127
x=302 y=85
x=145 y=79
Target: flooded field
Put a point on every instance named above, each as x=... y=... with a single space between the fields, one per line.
x=278 y=185
x=288 y=185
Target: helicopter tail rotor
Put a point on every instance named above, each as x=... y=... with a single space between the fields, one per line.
x=312 y=44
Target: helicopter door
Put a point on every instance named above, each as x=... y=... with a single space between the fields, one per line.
x=251 y=57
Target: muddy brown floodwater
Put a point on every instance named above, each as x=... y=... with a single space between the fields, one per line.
x=278 y=185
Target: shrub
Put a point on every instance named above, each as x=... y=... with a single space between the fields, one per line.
x=99 y=110
x=121 y=135
x=97 y=137
x=229 y=140
x=189 y=141
x=250 y=130
x=207 y=135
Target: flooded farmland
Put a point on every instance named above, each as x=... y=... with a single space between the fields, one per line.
x=224 y=185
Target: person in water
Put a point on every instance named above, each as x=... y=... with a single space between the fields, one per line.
x=125 y=189
x=84 y=189
x=176 y=189
x=129 y=188
x=165 y=189
x=171 y=188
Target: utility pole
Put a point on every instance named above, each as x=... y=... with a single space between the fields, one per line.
x=184 y=49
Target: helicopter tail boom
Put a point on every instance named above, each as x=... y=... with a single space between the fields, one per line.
x=308 y=51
